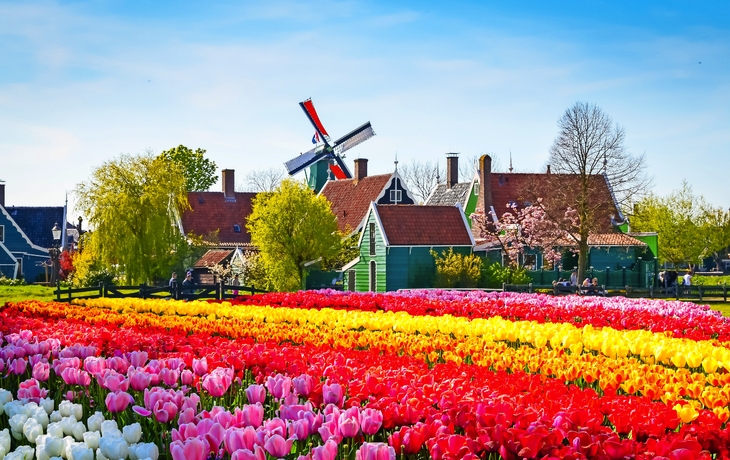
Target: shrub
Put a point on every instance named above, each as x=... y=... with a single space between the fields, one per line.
x=495 y=275
x=457 y=270
x=11 y=282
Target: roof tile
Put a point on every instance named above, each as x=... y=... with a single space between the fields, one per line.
x=409 y=225
x=212 y=211
x=350 y=199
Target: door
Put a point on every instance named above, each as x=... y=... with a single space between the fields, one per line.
x=373 y=276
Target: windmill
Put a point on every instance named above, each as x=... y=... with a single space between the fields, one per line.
x=327 y=156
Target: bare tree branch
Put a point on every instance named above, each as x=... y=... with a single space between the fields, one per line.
x=421 y=177
x=264 y=180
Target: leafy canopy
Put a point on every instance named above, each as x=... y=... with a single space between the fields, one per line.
x=199 y=171
x=292 y=226
x=133 y=203
x=454 y=270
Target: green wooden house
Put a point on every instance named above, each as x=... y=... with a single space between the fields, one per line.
x=396 y=242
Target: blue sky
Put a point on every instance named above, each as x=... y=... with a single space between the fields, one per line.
x=82 y=82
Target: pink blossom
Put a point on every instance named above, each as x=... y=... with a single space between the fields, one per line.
x=190 y=449
x=41 y=371
x=277 y=446
x=375 y=451
x=256 y=394
x=118 y=401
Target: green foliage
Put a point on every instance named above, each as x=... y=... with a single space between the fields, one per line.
x=291 y=226
x=495 y=275
x=200 y=172
x=349 y=250
x=710 y=280
x=454 y=270
x=88 y=270
x=133 y=204
x=689 y=228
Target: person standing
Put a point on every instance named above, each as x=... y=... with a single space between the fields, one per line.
x=574 y=278
x=173 y=281
x=688 y=278
x=188 y=283
x=235 y=282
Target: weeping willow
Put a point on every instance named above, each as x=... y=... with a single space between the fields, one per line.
x=132 y=204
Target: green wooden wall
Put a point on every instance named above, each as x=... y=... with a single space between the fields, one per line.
x=362 y=268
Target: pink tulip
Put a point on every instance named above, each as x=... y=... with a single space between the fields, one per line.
x=251 y=415
x=200 y=366
x=113 y=381
x=277 y=446
x=187 y=377
x=348 y=425
x=186 y=416
x=245 y=454
x=370 y=421
x=141 y=411
x=237 y=439
x=138 y=380
x=177 y=364
x=74 y=376
x=332 y=394
x=326 y=452
x=94 y=365
x=118 y=401
x=185 y=431
x=279 y=386
x=303 y=384
x=118 y=364
x=301 y=429
x=375 y=451
x=41 y=371
x=31 y=390
x=214 y=435
x=137 y=358
x=170 y=376
x=256 y=394
x=164 y=412
x=17 y=366
x=217 y=382
x=62 y=364
x=191 y=449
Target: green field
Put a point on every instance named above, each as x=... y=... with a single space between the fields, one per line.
x=17 y=293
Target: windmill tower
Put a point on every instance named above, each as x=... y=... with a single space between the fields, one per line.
x=326 y=157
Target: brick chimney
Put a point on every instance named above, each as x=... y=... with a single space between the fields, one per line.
x=452 y=169
x=361 y=169
x=485 y=203
x=2 y=193
x=229 y=184
x=548 y=169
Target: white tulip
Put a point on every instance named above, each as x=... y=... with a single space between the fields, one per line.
x=24 y=453
x=13 y=407
x=132 y=433
x=4 y=442
x=5 y=397
x=32 y=429
x=91 y=438
x=55 y=429
x=99 y=455
x=53 y=446
x=77 y=410
x=48 y=404
x=67 y=442
x=56 y=416
x=114 y=448
x=108 y=426
x=40 y=415
x=16 y=425
x=80 y=451
x=65 y=408
x=67 y=424
x=78 y=430
x=94 y=422
x=40 y=452
x=144 y=450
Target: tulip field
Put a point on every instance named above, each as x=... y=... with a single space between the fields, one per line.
x=325 y=375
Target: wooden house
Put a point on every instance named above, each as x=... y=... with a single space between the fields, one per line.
x=396 y=243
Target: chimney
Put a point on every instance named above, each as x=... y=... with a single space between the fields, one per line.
x=484 y=202
x=452 y=169
x=2 y=193
x=361 y=169
x=229 y=186
x=548 y=169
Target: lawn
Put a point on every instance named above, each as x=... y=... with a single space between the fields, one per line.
x=18 y=293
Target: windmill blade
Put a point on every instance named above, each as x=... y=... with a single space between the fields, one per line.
x=353 y=138
x=311 y=113
x=300 y=162
x=343 y=168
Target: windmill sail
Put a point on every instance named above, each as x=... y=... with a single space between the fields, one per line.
x=311 y=113
x=353 y=138
x=300 y=162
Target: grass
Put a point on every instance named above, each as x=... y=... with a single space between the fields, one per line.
x=27 y=292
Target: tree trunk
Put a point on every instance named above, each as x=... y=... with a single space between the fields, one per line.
x=582 y=258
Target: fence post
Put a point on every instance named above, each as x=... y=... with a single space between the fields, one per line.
x=504 y=287
x=699 y=291
x=529 y=288
x=102 y=289
x=142 y=293
x=220 y=293
x=724 y=292
x=676 y=291
x=608 y=276
x=651 y=291
x=624 y=276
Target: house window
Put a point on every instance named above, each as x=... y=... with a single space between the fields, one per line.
x=372 y=238
x=2 y=233
x=373 y=276
x=476 y=189
x=529 y=261
x=351 y=280
x=237 y=228
x=396 y=196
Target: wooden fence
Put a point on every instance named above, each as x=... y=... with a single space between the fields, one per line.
x=178 y=292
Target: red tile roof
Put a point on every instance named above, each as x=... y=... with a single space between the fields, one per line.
x=212 y=257
x=410 y=225
x=351 y=199
x=211 y=211
x=613 y=239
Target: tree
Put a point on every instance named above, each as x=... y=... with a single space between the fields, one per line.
x=689 y=228
x=264 y=180
x=529 y=227
x=589 y=144
x=200 y=172
x=454 y=270
x=292 y=226
x=421 y=177
x=132 y=203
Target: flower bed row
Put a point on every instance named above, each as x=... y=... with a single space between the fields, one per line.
x=453 y=409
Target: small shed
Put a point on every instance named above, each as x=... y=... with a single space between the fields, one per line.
x=396 y=243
